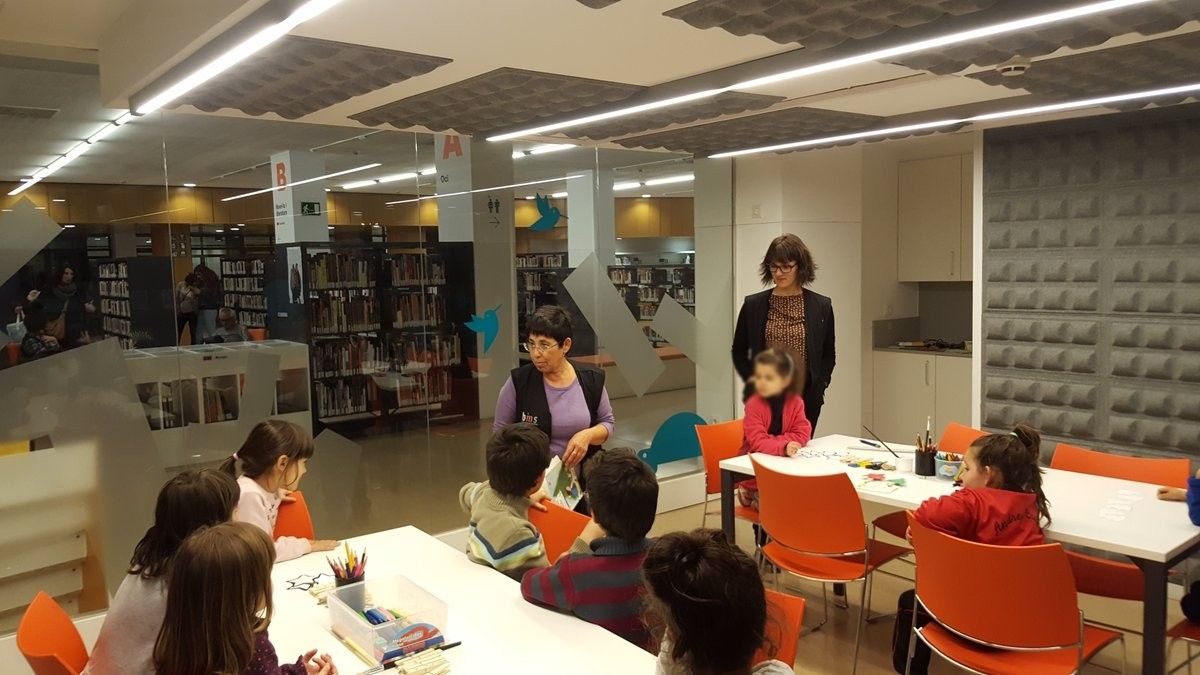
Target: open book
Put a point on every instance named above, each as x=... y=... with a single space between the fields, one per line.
x=562 y=485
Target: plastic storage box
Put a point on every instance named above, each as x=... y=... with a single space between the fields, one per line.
x=419 y=623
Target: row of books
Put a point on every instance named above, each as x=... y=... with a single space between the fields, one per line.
x=432 y=387
x=115 y=308
x=541 y=260
x=118 y=326
x=340 y=270
x=684 y=294
x=113 y=270
x=436 y=350
x=345 y=397
x=620 y=276
x=646 y=310
x=344 y=311
x=650 y=293
x=414 y=310
x=115 y=289
x=250 y=319
x=246 y=301
x=539 y=281
x=353 y=356
x=242 y=284
x=415 y=269
x=255 y=266
x=220 y=402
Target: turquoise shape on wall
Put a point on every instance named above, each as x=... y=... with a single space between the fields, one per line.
x=548 y=217
x=487 y=325
x=675 y=440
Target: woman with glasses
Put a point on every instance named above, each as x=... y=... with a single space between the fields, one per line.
x=566 y=400
x=788 y=316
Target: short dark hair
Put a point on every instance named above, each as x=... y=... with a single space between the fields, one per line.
x=35 y=318
x=516 y=456
x=552 y=321
x=622 y=493
x=190 y=279
x=786 y=249
x=189 y=501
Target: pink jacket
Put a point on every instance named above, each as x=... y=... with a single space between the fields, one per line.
x=796 y=427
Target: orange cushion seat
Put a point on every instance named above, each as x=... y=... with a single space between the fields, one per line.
x=987 y=660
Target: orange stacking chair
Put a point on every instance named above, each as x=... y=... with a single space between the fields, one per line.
x=1099 y=576
x=785 y=617
x=816 y=530
x=294 y=520
x=49 y=640
x=559 y=527
x=719 y=442
x=1023 y=616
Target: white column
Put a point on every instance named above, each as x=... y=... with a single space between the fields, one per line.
x=591 y=226
x=715 y=303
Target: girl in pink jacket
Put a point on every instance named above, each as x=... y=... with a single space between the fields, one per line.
x=775 y=423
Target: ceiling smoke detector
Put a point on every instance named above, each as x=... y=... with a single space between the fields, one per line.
x=1014 y=67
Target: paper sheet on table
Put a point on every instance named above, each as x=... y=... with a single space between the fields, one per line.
x=562 y=485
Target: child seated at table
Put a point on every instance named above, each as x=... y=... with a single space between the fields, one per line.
x=1190 y=603
x=707 y=605
x=219 y=608
x=775 y=422
x=499 y=533
x=189 y=501
x=268 y=467
x=600 y=578
x=1001 y=503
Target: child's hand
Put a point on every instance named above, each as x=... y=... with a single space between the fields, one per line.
x=793 y=448
x=908 y=534
x=318 y=665
x=1170 y=494
x=592 y=531
x=535 y=499
x=285 y=496
x=324 y=544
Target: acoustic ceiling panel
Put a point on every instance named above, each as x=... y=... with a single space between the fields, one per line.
x=782 y=126
x=728 y=103
x=504 y=97
x=1140 y=66
x=298 y=75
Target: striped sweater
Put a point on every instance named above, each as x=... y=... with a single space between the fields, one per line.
x=600 y=583
x=499 y=533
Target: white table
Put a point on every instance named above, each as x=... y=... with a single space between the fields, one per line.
x=1154 y=534
x=499 y=630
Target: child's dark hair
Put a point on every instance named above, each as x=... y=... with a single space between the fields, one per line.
x=1016 y=456
x=35 y=318
x=267 y=442
x=709 y=596
x=516 y=456
x=622 y=493
x=783 y=363
x=187 y=502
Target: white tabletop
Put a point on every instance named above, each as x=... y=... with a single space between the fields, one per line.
x=499 y=630
x=1103 y=513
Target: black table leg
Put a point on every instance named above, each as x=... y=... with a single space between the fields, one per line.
x=1154 y=617
x=727 y=505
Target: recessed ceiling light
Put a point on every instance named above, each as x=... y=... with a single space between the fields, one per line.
x=328 y=190
x=6 y=210
x=886 y=54
x=241 y=224
x=645 y=196
x=331 y=227
x=219 y=231
x=40 y=208
x=69 y=227
x=559 y=195
x=189 y=185
x=59 y=200
x=530 y=197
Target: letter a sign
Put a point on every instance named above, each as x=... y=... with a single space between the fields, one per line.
x=452 y=146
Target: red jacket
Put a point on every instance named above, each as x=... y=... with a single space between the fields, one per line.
x=985 y=515
x=796 y=427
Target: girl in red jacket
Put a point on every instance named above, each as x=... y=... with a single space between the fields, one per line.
x=1001 y=503
x=775 y=423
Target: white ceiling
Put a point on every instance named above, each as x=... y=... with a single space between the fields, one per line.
x=59 y=23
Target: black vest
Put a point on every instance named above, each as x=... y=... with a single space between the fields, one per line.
x=532 y=405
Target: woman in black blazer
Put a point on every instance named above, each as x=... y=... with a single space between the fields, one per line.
x=788 y=316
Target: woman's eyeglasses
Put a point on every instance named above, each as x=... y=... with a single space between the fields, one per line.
x=539 y=347
x=783 y=269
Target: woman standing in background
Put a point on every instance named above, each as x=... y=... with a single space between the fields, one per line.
x=788 y=316
x=66 y=307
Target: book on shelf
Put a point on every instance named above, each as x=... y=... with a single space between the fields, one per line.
x=247 y=284
x=114 y=289
x=246 y=301
x=344 y=311
x=416 y=269
x=620 y=276
x=348 y=396
x=113 y=270
x=430 y=388
x=238 y=267
x=340 y=270
x=356 y=355
x=435 y=350
x=417 y=310
x=551 y=260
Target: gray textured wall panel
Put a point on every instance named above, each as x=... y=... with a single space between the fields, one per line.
x=1091 y=280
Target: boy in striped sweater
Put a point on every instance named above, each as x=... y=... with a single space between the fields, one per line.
x=499 y=533
x=600 y=579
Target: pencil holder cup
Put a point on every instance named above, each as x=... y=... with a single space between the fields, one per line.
x=947 y=470
x=924 y=464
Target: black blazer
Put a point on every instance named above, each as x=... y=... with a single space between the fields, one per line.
x=750 y=338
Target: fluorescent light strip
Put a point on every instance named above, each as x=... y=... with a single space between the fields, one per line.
x=335 y=174
x=77 y=150
x=428 y=171
x=558 y=195
x=543 y=149
x=837 y=64
x=376 y=181
x=1006 y=114
x=683 y=178
x=496 y=187
x=237 y=54
x=627 y=185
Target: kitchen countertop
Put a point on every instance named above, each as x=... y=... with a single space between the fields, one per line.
x=961 y=353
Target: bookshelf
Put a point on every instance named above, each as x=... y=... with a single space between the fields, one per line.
x=137 y=301
x=384 y=325
x=645 y=284
x=540 y=278
x=242 y=284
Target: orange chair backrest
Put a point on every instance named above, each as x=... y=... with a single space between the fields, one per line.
x=1009 y=596
x=1107 y=578
x=957 y=438
x=49 y=640
x=810 y=514
x=559 y=527
x=1153 y=470
x=718 y=442
x=256 y=334
x=785 y=614
x=294 y=520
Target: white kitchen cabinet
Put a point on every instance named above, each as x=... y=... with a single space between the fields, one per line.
x=909 y=387
x=967 y=228
x=933 y=210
